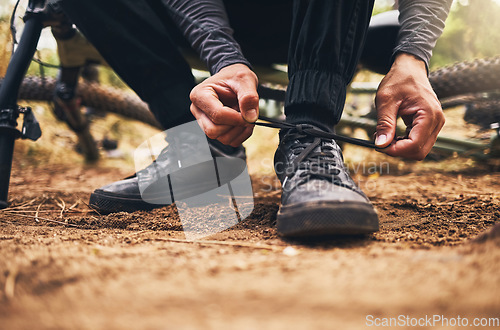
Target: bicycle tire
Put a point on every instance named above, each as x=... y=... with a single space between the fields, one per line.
x=464 y=82
x=93 y=95
x=483 y=113
x=479 y=75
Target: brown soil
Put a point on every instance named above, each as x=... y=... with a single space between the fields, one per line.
x=64 y=266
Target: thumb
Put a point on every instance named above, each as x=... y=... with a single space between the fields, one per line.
x=386 y=124
x=248 y=100
x=249 y=107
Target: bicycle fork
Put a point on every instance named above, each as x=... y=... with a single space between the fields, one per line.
x=9 y=110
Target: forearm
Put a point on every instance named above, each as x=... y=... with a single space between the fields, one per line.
x=206 y=26
x=422 y=23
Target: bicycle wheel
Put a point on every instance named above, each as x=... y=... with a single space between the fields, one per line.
x=93 y=95
x=483 y=113
x=474 y=85
x=480 y=75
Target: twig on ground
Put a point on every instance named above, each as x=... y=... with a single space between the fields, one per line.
x=38 y=209
x=7 y=221
x=19 y=206
x=234 y=244
x=77 y=211
x=92 y=208
x=27 y=211
x=73 y=210
x=138 y=232
x=74 y=205
x=62 y=205
x=46 y=219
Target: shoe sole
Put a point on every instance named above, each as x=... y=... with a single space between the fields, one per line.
x=227 y=170
x=326 y=218
x=105 y=203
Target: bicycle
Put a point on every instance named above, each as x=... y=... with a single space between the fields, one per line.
x=448 y=82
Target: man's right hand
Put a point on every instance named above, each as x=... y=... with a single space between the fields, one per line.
x=227 y=104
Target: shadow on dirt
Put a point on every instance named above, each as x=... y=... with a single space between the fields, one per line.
x=332 y=241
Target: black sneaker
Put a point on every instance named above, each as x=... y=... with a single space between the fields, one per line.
x=319 y=197
x=125 y=195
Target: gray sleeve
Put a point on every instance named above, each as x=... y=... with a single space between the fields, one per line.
x=422 y=22
x=206 y=26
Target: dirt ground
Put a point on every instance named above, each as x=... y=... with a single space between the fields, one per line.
x=64 y=266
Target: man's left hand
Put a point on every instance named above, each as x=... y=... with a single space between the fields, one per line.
x=406 y=91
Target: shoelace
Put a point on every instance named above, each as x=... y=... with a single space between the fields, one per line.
x=310 y=130
x=322 y=164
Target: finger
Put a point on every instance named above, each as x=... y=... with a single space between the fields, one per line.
x=207 y=101
x=243 y=136
x=424 y=130
x=211 y=130
x=419 y=141
x=248 y=99
x=228 y=137
x=407 y=148
x=387 y=111
x=233 y=135
x=431 y=140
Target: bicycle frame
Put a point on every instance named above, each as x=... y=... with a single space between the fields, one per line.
x=9 y=110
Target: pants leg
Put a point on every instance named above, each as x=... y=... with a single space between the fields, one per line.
x=325 y=45
x=139 y=43
x=267 y=42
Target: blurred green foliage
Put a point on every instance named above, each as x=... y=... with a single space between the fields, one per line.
x=5 y=50
x=383 y=6
x=472 y=31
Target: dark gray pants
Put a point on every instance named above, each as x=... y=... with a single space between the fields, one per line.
x=320 y=39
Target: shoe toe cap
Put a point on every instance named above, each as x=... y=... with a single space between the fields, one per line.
x=127 y=187
x=321 y=190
